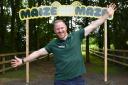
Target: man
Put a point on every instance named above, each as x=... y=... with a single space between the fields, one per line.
x=66 y=49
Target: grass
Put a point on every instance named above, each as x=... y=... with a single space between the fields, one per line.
x=18 y=73
x=97 y=66
x=14 y=73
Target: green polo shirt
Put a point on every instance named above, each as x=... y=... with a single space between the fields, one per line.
x=68 y=58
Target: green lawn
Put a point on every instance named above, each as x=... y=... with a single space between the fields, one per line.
x=14 y=73
x=97 y=66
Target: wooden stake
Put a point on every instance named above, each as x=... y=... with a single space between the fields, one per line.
x=3 y=60
x=27 y=51
x=105 y=51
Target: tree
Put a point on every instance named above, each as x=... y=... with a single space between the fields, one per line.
x=3 y=20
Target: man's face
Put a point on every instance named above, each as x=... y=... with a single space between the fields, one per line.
x=60 y=29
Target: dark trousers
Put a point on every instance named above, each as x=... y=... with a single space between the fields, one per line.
x=75 y=81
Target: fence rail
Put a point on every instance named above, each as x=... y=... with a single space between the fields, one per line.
x=112 y=57
x=9 y=56
x=97 y=52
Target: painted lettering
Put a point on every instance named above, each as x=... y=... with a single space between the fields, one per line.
x=97 y=12
x=34 y=12
x=80 y=10
x=62 y=10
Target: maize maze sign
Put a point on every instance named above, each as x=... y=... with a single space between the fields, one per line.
x=56 y=9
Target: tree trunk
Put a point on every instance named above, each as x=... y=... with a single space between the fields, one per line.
x=86 y=3
x=2 y=28
x=87 y=50
x=13 y=34
x=18 y=39
x=100 y=37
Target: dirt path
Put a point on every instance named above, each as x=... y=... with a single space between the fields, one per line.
x=92 y=79
x=46 y=77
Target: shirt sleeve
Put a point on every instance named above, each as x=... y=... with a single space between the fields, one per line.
x=48 y=47
x=80 y=33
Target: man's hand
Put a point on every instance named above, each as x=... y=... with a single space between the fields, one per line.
x=111 y=9
x=16 y=62
x=110 y=12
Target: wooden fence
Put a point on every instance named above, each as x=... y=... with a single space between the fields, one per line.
x=116 y=56
x=5 y=60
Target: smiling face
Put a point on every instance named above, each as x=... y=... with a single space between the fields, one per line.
x=60 y=29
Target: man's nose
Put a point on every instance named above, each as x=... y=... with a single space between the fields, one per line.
x=60 y=30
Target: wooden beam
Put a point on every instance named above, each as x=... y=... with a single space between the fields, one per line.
x=27 y=51
x=105 y=52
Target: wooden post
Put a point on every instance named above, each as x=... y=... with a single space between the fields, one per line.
x=105 y=51
x=27 y=51
x=3 y=66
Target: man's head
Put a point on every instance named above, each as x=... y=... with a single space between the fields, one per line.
x=60 y=29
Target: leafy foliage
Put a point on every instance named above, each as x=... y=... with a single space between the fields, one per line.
x=12 y=29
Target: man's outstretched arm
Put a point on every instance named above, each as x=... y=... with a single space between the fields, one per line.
x=110 y=11
x=19 y=61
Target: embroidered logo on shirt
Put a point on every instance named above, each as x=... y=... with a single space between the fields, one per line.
x=61 y=46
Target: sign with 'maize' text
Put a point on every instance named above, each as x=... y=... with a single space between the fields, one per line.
x=56 y=9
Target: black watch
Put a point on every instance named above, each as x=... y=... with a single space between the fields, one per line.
x=23 y=61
